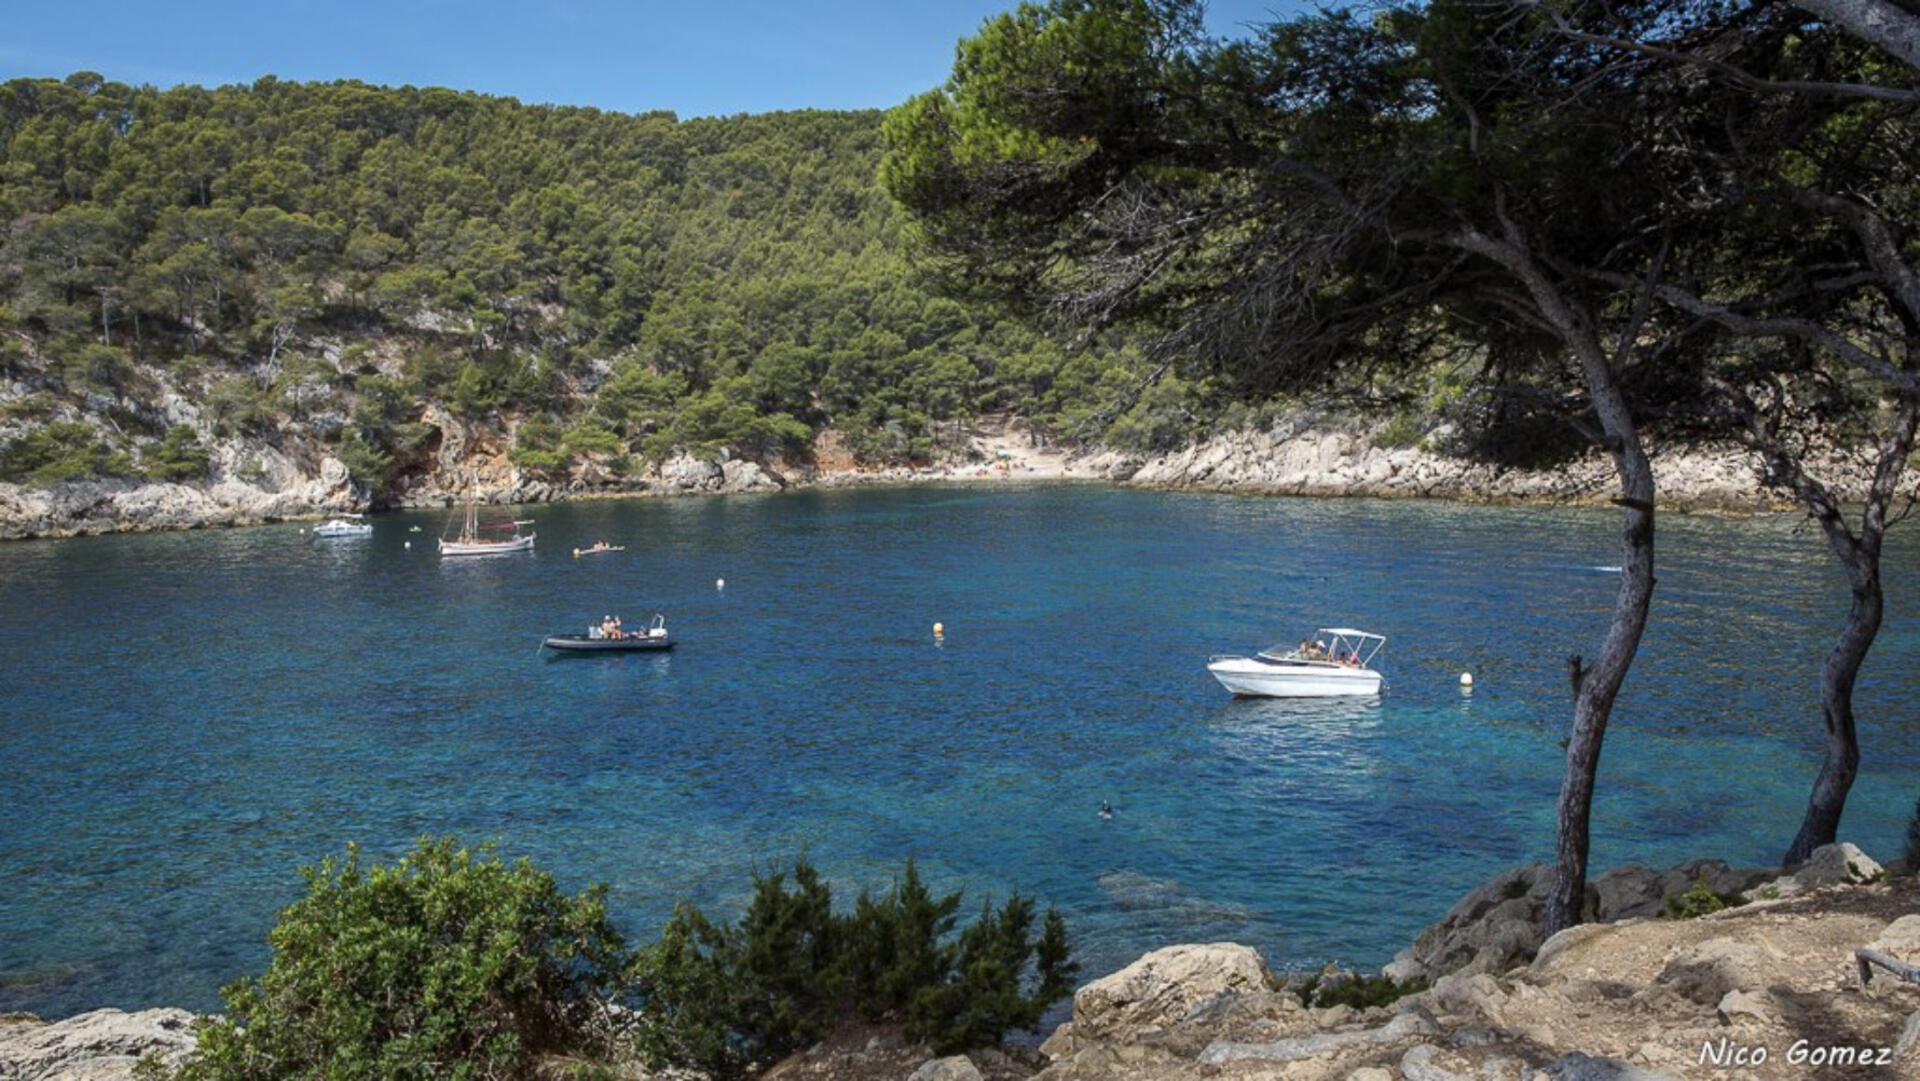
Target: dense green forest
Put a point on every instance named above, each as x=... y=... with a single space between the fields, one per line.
x=317 y=266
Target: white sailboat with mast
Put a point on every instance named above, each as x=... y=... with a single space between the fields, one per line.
x=485 y=540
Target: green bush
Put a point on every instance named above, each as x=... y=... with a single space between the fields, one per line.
x=536 y=446
x=724 y=999
x=238 y=405
x=692 y=1004
x=476 y=391
x=360 y=451
x=448 y=964
x=180 y=456
x=1698 y=901
x=1359 y=992
x=1162 y=418
x=62 y=451
x=1403 y=429
x=97 y=366
x=980 y=999
x=591 y=438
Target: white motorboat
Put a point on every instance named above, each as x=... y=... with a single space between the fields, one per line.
x=350 y=526
x=1336 y=661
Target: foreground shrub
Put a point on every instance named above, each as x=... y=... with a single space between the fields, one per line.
x=725 y=999
x=1358 y=991
x=449 y=964
x=1699 y=900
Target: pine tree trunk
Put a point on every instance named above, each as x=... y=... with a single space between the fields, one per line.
x=1600 y=683
x=1822 y=822
x=1860 y=557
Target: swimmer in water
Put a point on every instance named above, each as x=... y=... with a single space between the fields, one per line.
x=1106 y=809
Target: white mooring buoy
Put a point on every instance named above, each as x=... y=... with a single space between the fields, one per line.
x=1466 y=680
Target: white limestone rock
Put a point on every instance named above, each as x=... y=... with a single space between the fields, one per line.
x=1838 y=864
x=1164 y=987
x=102 y=1045
x=951 y=1068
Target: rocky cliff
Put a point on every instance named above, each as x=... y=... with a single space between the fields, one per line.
x=252 y=483
x=1321 y=462
x=259 y=483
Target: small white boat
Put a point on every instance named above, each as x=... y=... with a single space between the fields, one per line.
x=1336 y=661
x=350 y=526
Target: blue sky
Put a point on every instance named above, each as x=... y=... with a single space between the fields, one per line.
x=697 y=59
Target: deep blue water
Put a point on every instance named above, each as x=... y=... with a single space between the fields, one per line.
x=186 y=719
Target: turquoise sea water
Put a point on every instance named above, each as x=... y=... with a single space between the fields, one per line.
x=186 y=719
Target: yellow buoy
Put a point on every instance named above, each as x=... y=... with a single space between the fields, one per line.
x=939 y=629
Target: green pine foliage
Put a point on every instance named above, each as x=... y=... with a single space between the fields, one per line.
x=725 y=999
x=448 y=964
x=180 y=456
x=1351 y=989
x=293 y=254
x=62 y=451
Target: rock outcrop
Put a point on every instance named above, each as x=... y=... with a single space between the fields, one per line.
x=1167 y=983
x=112 y=506
x=1321 y=462
x=258 y=482
x=1829 y=865
x=1498 y=925
x=1767 y=990
x=266 y=488
x=100 y=1046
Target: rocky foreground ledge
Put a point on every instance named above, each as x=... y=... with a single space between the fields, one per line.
x=1770 y=989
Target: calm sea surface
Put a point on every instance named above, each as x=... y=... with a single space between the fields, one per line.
x=186 y=719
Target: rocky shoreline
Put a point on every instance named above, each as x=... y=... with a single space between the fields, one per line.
x=1767 y=989
x=259 y=485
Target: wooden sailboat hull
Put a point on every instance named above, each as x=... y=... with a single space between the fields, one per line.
x=485 y=548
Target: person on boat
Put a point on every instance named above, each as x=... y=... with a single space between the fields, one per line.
x=1319 y=650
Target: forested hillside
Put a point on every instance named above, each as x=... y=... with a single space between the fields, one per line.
x=321 y=267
